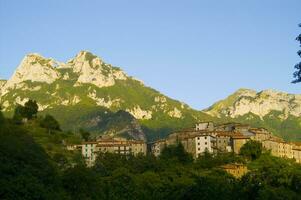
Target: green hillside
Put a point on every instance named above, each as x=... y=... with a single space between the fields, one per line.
x=87 y=105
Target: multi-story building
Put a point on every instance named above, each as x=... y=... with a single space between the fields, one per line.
x=194 y=142
x=223 y=141
x=296 y=150
x=208 y=126
x=238 y=141
x=88 y=152
x=204 y=143
x=121 y=146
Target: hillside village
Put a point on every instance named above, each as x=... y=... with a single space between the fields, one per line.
x=204 y=137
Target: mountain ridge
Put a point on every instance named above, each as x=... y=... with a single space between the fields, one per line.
x=86 y=87
x=86 y=82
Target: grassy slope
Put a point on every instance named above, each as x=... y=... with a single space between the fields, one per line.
x=131 y=93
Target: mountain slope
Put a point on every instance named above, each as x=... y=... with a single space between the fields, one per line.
x=83 y=89
x=278 y=111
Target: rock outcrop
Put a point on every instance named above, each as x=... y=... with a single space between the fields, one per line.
x=91 y=69
x=246 y=101
x=34 y=68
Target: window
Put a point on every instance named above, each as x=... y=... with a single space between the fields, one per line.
x=198 y=138
x=205 y=143
x=205 y=138
x=199 y=149
x=198 y=143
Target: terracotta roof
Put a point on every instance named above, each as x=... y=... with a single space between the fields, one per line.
x=113 y=145
x=232 y=166
x=92 y=142
x=240 y=137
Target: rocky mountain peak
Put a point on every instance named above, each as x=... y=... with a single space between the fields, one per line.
x=245 y=92
x=35 y=68
x=86 y=57
x=261 y=104
x=91 y=69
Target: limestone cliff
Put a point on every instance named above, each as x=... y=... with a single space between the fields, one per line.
x=262 y=103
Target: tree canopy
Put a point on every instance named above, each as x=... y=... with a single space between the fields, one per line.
x=50 y=123
x=28 y=111
x=297 y=74
x=251 y=150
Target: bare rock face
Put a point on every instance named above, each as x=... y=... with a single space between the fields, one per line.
x=34 y=68
x=138 y=113
x=260 y=104
x=2 y=83
x=176 y=113
x=92 y=69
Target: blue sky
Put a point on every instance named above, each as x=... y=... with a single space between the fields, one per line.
x=195 y=51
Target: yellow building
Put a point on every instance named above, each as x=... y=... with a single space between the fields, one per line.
x=237 y=170
x=297 y=151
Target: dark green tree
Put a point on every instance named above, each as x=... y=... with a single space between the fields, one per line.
x=81 y=182
x=28 y=111
x=251 y=150
x=25 y=170
x=19 y=114
x=297 y=74
x=2 y=119
x=31 y=109
x=61 y=161
x=50 y=123
x=176 y=153
x=84 y=134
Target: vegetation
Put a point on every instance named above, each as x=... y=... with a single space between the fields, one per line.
x=29 y=170
x=28 y=111
x=84 y=134
x=35 y=165
x=50 y=123
x=251 y=150
x=297 y=74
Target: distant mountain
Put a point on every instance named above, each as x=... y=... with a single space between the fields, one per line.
x=278 y=111
x=87 y=92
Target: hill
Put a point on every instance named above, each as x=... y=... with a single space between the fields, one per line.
x=81 y=93
x=277 y=111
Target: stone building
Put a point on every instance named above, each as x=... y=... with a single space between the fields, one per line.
x=223 y=141
x=194 y=142
x=296 y=150
x=237 y=170
x=238 y=141
x=112 y=145
x=209 y=126
x=228 y=137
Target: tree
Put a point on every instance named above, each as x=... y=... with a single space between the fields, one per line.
x=85 y=134
x=28 y=111
x=18 y=114
x=61 y=161
x=25 y=169
x=297 y=74
x=50 y=123
x=176 y=153
x=31 y=109
x=251 y=150
x=2 y=119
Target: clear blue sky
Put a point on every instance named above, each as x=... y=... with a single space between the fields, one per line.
x=195 y=51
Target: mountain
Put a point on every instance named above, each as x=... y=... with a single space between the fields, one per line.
x=86 y=92
x=278 y=111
